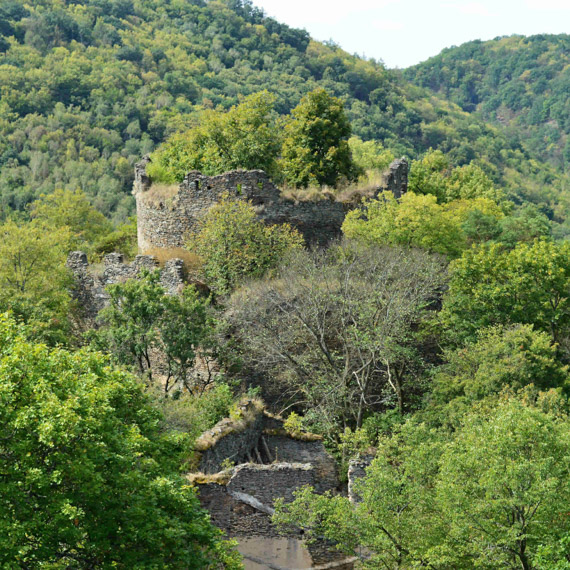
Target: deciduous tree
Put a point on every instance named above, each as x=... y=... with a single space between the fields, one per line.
x=34 y=282
x=334 y=330
x=528 y=284
x=234 y=244
x=244 y=137
x=493 y=494
x=89 y=478
x=315 y=147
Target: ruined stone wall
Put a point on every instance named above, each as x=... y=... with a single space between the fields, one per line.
x=165 y=218
x=270 y=482
x=356 y=472
x=164 y=221
x=288 y=449
x=395 y=179
x=237 y=445
x=233 y=516
x=89 y=288
x=240 y=499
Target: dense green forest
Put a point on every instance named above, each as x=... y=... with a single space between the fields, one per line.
x=522 y=83
x=434 y=334
x=88 y=88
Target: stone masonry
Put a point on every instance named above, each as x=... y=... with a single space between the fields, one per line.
x=272 y=464
x=164 y=220
x=89 y=288
x=395 y=179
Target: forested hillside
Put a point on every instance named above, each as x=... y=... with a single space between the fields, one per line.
x=520 y=82
x=87 y=88
x=429 y=336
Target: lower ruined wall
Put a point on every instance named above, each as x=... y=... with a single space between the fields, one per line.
x=270 y=482
x=288 y=449
x=227 y=503
x=235 y=446
x=240 y=500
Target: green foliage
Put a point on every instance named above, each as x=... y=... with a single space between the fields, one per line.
x=520 y=81
x=500 y=358
x=369 y=155
x=234 y=244
x=122 y=239
x=245 y=137
x=515 y=461
x=183 y=328
x=89 y=88
x=141 y=318
x=433 y=174
x=315 y=145
x=194 y=413
x=525 y=224
x=489 y=495
x=71 y=210
x=528 y=284
x=88 y=477
x=294 y=424
x=34 y=282
x=417 y=220
x=130 y=321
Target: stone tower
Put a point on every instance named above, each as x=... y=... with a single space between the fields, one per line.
x=167 y=214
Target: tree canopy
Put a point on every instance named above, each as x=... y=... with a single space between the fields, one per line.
x=246 y=137
x=90 y=88
x=315 y=145
x=528 y=284
x=235 y=245
x=491 y=495
x=88 y=477
x=335 y=331
x=34 y=282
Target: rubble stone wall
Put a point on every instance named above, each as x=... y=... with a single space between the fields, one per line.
x=236 y=446
x=89 y=287
x=269 y=482
x=292 y=450
x=165 y=221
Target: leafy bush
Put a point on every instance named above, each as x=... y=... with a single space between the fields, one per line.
x=234 y=244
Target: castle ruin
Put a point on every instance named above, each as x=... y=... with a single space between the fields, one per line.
x=266 y=463
x=166 y=215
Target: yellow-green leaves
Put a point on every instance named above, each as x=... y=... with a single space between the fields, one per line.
x=315 y=147
x=34 y=282
x=234 y=244
x=529 y=284
x=244 y=137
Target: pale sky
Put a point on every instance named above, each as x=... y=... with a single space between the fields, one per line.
x=405 y=32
